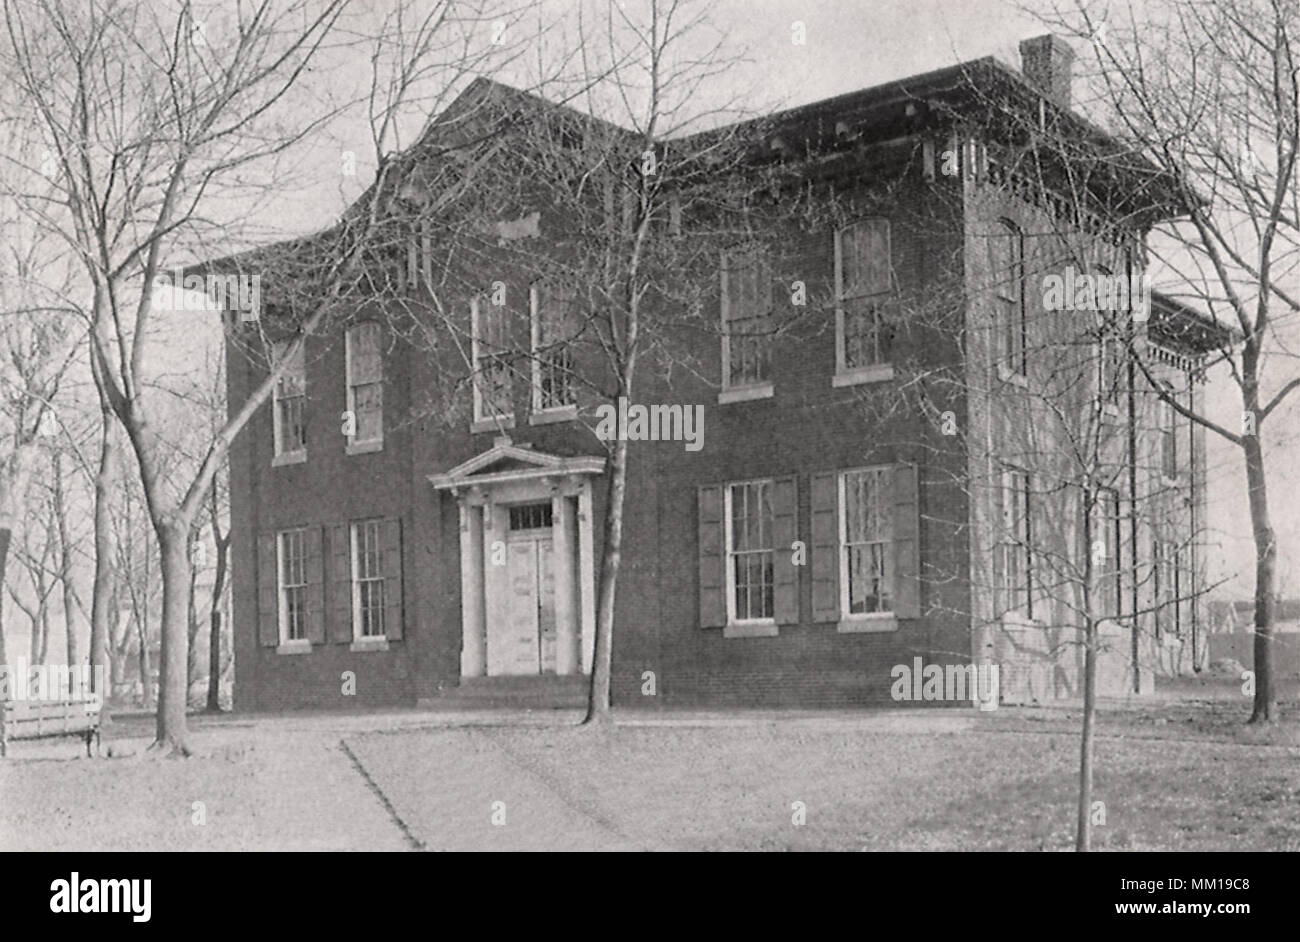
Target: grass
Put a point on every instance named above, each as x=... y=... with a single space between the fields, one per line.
x=1177 y=772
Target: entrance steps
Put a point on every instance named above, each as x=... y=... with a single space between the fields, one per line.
x=532 y=692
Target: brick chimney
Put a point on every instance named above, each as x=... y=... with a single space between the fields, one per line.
x=1047 y=62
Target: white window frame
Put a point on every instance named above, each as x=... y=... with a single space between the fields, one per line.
x=540 y=414
x=483 y=421
x=281 y=455
x=884 y=479
x=358 y=446
x=870 y=372
x=731 y=391
x=730 y=554
x=356 y=537
x=1110 y=580
x=283 y=587
x=1168 y=433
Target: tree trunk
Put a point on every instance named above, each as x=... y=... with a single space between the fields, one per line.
x=103 y=606
x=65 y=560
x=142 y=659
x=191 y=622
x=1265 y=708
x=214 y=636
x=1083 y=834
x=171 y=728
x=598 y=701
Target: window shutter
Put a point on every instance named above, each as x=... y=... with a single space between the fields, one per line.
x=713 y=582
x=340 y=620
x=762 y=284
x=268 y=591
x=315 y=571
x=391 y=544
x=785 y=530
x=825 y=547
x=906 y=522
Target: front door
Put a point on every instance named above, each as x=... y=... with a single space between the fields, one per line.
x=527 y=639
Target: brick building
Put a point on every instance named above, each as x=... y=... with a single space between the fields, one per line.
x=840 y=517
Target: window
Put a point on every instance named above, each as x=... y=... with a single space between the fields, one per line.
x=1107 y=554
x=489 y=341
x=530 y=516
x=1168 y=436
x=1008 y=274
x=1168 y=589
x=290 y=397
x=367 y=580
x=1011 y=558
x=365 y=384
x=749 y=552
x=1108 y=349
x=746 y=317
x=292 y=567
x=865 y=563
x=555 y=324
x=863 y=284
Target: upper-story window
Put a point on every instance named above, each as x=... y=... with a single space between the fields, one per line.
x=746 y=317
x=365 y=376
x=1008 y=276
x=1108 y=348
x=491 y=362
x=1107 y=553
x=555 y=323
x=1168 y=436
x=863 y=284
x=290 y=430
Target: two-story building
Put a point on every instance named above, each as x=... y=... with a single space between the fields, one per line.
x=876 y=480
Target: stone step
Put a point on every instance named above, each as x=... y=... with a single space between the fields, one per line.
x=526 y=692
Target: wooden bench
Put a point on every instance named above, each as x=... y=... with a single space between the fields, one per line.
x=41 y=719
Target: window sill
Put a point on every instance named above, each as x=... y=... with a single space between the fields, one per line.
x=1014 y=379
x=750 y=629
x=365 y=448
x=876 y=373
x=552 y=415
x=297 y=646
x=369 y=644
x=289 y=457
x=746 y=393
x=494 y=424
x=1017 y=620
x=867 y=624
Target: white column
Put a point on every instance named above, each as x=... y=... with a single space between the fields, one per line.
x=496 y=590
x=586 y=578
x=473 y=628
x=563 y=565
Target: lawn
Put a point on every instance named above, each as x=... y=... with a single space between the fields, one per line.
x=1176 y=772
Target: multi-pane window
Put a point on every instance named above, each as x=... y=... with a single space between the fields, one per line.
x=1108 y=349
x=865 y=540
x=1168 y=436
x=367 y=579
x=750 y=551
x=492 y=397
x=746 y=317
x=290 y=398
x=1011 y=559
x=1107 y=553
x=555 y=324
x=365 y=382
x=1007 y=260
x=863 y=283
x=293 y=585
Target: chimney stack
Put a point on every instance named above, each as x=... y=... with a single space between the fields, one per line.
x=1047 y=62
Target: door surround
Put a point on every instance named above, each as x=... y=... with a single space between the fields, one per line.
x=484 y=488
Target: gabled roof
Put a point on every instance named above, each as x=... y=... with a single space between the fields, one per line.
x=506 y=461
